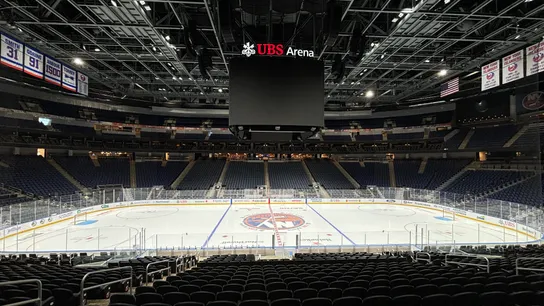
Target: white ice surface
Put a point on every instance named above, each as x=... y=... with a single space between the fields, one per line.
x=218 y=226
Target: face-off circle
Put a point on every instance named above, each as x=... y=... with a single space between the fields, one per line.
x=266 y=222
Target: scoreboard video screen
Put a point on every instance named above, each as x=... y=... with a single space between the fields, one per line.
x=276 y=91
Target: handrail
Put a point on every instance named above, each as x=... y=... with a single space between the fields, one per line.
x=527 y=269
x=488 y=266
x=160 y=270
x=24 y=281
x=82 y=289
x=423 y=259
x=181 y=264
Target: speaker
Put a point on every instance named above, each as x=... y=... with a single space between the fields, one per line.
x=357 y=44
x=333 y=22
x=204 y=61
x=189 y=37
x=338 y=68
x=226 y=21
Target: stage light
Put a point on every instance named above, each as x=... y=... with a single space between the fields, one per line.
x=369 y=94
x=442 y=72
x=78 y=61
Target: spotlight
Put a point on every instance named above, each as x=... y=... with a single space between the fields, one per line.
x=369 y=94
x=78 y=61
x=442 y=72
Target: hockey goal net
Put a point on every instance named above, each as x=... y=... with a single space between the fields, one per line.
x=78 y=218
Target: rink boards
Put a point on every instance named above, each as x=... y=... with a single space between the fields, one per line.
x=511 y=226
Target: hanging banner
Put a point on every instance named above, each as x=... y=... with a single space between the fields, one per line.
x=11 y=52
x=512 y=67
x=490 y=75
x=53 y=71
x=82 y=84
x=535 y=58
x=68 y=78
x=33 y=62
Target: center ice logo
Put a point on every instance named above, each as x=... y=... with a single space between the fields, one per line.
x=266 y=222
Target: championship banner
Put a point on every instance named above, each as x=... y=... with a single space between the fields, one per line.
x=82 y=84
x=33 y=62
x=11 y=52
x=512 y=67
x=68 y=78
x=53 y=71
x=490 y=75
x=535 y=58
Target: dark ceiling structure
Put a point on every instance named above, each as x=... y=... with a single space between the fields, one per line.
x=149 y=50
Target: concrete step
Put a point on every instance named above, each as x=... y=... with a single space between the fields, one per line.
x=182 y=175
x=466 y=140
x=67 y=175
x=346 y=174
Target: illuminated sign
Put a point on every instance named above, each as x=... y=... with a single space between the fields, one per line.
x=274 y=50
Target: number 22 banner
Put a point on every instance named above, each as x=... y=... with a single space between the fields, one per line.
x=11 y=53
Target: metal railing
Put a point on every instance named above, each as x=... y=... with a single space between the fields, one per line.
x=37 y=300
x=518 y=268
x=84 y=289
x=147 y=273
x=418 y=257
x=486 y=266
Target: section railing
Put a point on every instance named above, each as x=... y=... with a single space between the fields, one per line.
x=84 y=289
x=518 y=268
x=34 y=301
x=147 y=273
x=487 y=266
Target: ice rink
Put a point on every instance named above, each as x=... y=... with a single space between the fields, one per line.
x=262 y=225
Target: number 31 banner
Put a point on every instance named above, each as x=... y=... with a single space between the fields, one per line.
x=11 y=53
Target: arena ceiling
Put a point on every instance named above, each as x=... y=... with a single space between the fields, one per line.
x=138 y=49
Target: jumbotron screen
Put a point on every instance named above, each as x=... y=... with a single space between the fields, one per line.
x=276 y=91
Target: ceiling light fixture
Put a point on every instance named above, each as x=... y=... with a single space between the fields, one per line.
x=97 y=49
x=167 y=37
x=78 y=61
x=443 y=72
x=220 y=90
x=114 y=3
x=395 y=20
x=446 y=1
x=369 y=94
x=147 y=8
x=427 y=61
x=517 y=36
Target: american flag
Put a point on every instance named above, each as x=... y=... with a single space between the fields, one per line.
x=449 y=87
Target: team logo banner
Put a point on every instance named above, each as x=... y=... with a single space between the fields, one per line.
x=535 y=58
x=82 y=84
x=33 y=62
x=11 y=52
x=512 y=67
x=69 y=78
x=53 y=71
x=490 y=75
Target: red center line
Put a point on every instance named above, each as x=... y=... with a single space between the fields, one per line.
x=278 y=238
